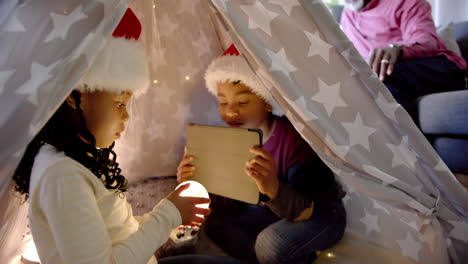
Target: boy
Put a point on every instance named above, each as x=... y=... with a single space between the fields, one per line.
x=301 y=210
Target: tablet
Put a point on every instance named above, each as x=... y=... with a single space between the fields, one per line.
x=220 y=156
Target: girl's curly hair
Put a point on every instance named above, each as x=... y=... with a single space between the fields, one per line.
x=67 y=132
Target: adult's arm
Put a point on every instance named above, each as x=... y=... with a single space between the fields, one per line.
x=420 y=38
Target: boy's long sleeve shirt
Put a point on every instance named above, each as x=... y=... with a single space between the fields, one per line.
x=306 y=182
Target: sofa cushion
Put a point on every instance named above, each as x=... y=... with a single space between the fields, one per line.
x=453 y=152
x=447 y=33
x=444 y=113
x=461 y=34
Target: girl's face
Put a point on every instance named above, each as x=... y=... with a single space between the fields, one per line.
x=239 y=107
x=105 y=114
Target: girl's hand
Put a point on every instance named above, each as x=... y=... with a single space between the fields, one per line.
x=185 y=170
x=262 y=169
x=186 y=206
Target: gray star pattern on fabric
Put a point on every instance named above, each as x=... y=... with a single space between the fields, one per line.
x=347 y=55
x=318 y=46
x=384 y=177
x=358 y=132
x=402 y=154
x=4 y=77
x=329 y=96
x=287 y=6
x=280 y=62
x=410 y=246
x=377 y=205
x=156 y=130
x=302 y=109
x=411 y=222
x=62 y=23
x=166 y=26
x=341 y=150
x=389 y=108
x=187 y=7
x=39 y=75
x=92 y=36
x=164 y=94
x=14 y=25
x=261 y=22
x=440 y=166
x=370 y=221
x=298 y=125
x=183 y=112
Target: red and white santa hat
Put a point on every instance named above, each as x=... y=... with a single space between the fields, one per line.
x=121 y=66
x=232 y=67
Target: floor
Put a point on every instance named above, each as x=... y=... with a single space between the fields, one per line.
x=143 y=196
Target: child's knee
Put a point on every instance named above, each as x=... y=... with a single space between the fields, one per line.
x=278 y=245
x=270 y=247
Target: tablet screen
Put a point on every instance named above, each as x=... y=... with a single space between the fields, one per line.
x=220 y=156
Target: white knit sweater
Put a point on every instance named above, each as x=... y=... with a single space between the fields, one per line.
x=75 y=219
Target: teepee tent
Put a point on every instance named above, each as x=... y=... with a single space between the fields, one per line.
x=402 y=200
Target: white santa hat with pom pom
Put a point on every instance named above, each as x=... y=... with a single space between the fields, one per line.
x=232 y=67
x=121 y=66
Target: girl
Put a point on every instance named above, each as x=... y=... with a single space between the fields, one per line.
x=303 y=211
x=78 y=212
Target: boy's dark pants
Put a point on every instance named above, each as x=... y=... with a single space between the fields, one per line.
x=253 y=233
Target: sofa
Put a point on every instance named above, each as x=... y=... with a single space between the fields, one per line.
x=443 y=117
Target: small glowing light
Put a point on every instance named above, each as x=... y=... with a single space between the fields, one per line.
x=155 y=81
x=187 y=77
x=154 y=6
x=30 y=253
x=330 y=255
x=195 y=190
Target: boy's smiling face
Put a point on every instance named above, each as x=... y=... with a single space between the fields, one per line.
x=239 y=107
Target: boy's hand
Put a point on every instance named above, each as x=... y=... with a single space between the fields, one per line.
x=186 y=206
x=185 y=170
x=262 y=169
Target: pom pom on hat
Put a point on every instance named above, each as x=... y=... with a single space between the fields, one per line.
x=231 y=67
x=121 y=66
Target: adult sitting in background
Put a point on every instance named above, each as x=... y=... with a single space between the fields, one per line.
x=399 y=40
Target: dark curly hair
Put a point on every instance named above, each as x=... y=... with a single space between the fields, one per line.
x=67 y=132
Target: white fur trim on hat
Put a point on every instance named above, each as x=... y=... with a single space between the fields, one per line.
x=235 y=68
x=120 y=67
